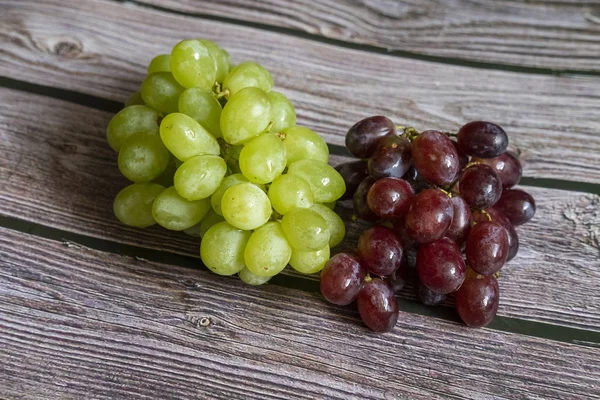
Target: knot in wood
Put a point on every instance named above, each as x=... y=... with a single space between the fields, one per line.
x=68 y=48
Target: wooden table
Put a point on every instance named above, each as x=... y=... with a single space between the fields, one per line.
x=91 y=309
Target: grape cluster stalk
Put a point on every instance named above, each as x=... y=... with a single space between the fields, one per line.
x=443 y=209
x=214 y=151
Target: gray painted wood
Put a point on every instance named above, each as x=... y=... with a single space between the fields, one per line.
x=61 y=173
x=102 y=48
x=78 y=323
x=82 y=323
x=556 y=35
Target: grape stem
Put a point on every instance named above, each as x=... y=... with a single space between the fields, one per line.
x=268 y=128
x=447 y=192
x=409 y=132
x=469 y=165
x=487 y=215
x=220 y=93
x=453 y=184
x=224 y=93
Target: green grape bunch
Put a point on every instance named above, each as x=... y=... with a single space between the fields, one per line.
x=213 y=151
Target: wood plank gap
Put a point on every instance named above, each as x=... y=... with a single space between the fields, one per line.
x=542 y=330
x=102 y=104
x=366 y=47
x=71 y=96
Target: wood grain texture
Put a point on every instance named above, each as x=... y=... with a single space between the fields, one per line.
x=560 y=36
x=102 y=48
x=61 y=173
x=77 y=323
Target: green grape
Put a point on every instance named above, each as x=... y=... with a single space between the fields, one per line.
x=186 y=138
x=211 y=218
x=305 y=229
x=288 y=192
x=133 y=205
x=201 y=105
x=128 y=121
x=246 y=115
x=330 y=205
x=231 y=154
x=173 y=212
x=199 y=177
x=198 y=230
x=226 y=183
x=226 y=61
x=194 y=231
x=233 y=167
x=268 y=251
x=166 y=178
x=302 y=143
x=337 y=229
x=161 y=92
x=283 y=114
x=252 y=279
x=309 y=262
x=325 y=182
x=143 y=157
x=263 y=158
x=135 y=99
x=192 y=64
x=245 y=206
x=222 y=249
x=160 y=63
x=248 y=74
x=221 y=57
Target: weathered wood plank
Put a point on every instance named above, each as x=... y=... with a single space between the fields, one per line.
x=62 y=174
x=101 y=48
x=560 y=36
x=81 y=323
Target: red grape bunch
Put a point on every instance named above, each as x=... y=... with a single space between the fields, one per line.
x=445 y=201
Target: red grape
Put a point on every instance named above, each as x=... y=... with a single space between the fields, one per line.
x=435 y=157
x=487 y=247
x=497 y=216
x=480 y=186
x=517 y=205
x=461 y=220
x=392 y=157
x=390 y=197
x=377 y=305
x=359 y=200
x=463 y=159
x=363 y=137
x=477 y=300
x=508 y=168
x=482 y=139
x=379 y=250
x=400 y=276
x=341 y=279
x=428 y=296
x=440 y=266
x=353 y=173
x=429 y=216
x=407 y=241
x=416 y=180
